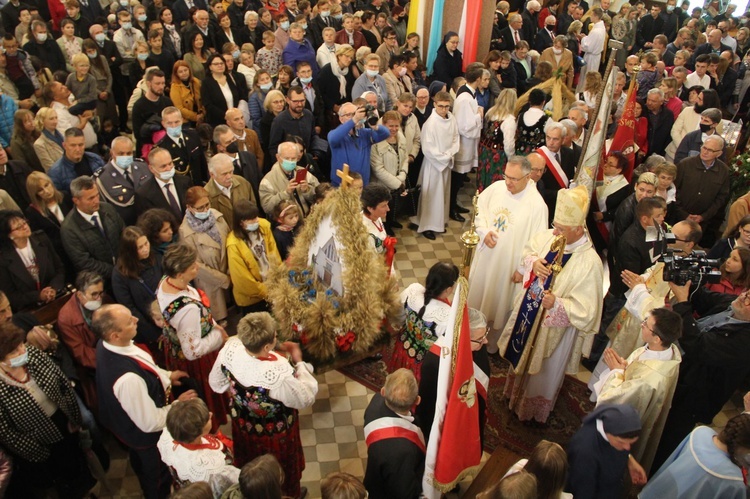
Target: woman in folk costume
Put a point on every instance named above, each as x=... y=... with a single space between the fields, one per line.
x=646 y=380
x=192 y=336
x=267 y=389
x=498 y=141
x=427 y=309
x=572 y=309
x=375 y=200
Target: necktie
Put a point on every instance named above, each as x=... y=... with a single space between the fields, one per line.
x=515 y=34
x=237 y=166
x=182 y=143
x=557 y=157
x=95 y=220
x=173 y=204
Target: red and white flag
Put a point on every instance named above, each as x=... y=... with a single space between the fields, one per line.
x=454 y=450
x=624 y=138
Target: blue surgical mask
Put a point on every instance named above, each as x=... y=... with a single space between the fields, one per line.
x=142 y=18
x=124 y=162
x=100 y=37
x=167 y=175
x=127 y=25
x=92 y=56
x=142 y=57
x=285 y=25
x=288 y=165
x=670 y=8
x=338 y=17
x=201 y=215
x=236 y=54
x=304 y=26
x=306 y=80
x=252 y=227
x=174 y=131
x=266 y=87
x=20 y=360
x=325 y=13
x=372 y=73
x=124 y=3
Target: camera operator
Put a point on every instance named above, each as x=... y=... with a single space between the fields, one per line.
x=715 y=362
x=352 y=140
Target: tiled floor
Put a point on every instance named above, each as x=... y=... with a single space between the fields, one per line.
x=332 y=429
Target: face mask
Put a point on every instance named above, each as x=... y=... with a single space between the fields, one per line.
x=142 y=18
x=142 y=57
x=236 y=54
x=285 y=25
x=233 y=148
x=551 y=27
x=127 y=25
x=266 y=87
x=201 y=215
x=288 y=165
x=167 y=175
x=338 y=17
x=41 y=37
x=92 y=56
x=325 y=13
x=124 y=162
x=557 y=51
x=705 y=128
x=92 y=305
x=124 y=3
x=20 y=360
x=306 y=80
x=372 y=73
x=252 y=227
x=99 y=37
x=670 y=8
x=402 y=71
x=174 y=131
x=304 y=26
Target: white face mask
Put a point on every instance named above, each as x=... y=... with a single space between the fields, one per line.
x=92 y=305
x=557 y=51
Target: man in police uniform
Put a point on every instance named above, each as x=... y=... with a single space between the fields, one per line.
x=118 y=180
x=185 y=147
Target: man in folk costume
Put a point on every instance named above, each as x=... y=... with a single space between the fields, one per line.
x=646 y=380
x=469 y=117
x=439 y=144
x=560 y=164
x=593 y=46
x=568 y=312
x=509 y=212
x=395 y=444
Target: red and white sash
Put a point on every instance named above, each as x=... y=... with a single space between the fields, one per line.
x=554 y=167
x=394 y=427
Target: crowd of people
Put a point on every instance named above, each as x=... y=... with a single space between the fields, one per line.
x=158 y=160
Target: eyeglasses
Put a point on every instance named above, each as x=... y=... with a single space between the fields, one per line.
x=745 y=232
x=21 y=224
x=711 y=150
x=484 y=337
x=516 y=179
x=645 y=324
x=299 y=101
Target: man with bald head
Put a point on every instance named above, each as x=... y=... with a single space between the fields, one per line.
x=282 y=183
x=247 y=140
x=712 y=46
x=351 y=142
x=538 y=167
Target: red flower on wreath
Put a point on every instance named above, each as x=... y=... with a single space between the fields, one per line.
x=204 y=298
x=345 y=341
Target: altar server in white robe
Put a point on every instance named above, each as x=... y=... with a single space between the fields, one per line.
x=439 y=144
x=469 y=117
x=509 y=212
x=646 y=380
x=593 y=46
x=572 y=311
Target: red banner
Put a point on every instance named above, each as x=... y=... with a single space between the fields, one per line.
x=624 y=139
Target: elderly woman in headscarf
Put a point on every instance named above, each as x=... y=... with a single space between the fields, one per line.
x=335 y=81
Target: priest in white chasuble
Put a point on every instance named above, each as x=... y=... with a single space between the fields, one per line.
x=646 y=380
x=509 y=212
x=566 y=312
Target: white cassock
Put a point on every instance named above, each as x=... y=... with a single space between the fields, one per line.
x=466 y=111
x=559 y=342
x=515 y=218
x=592 y=46
x=439 y=145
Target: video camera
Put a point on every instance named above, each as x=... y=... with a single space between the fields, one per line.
x=695 y=267
x=371 y=115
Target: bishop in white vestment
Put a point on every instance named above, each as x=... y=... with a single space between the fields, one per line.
x=570 y=311
x=509 y=212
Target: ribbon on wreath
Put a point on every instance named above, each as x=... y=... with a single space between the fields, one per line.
x=390 y=252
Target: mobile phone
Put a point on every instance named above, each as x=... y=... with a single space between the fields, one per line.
x=300 y=175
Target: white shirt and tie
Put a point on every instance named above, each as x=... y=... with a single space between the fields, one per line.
x=168 y=186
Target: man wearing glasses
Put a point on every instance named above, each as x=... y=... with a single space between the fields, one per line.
x=702 y=185
x=715 y=361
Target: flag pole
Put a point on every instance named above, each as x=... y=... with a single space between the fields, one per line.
x=470 y=240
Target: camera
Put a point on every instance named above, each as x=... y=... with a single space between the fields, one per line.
x=371 y=115
x=694 y=267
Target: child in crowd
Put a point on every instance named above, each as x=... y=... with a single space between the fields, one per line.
x=286 y=215
x=647 y=76
x=261 y=477
x=82 y=84
x=191 y=453
x=269 y=57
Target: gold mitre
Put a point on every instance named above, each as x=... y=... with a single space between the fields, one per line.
x=572 y=206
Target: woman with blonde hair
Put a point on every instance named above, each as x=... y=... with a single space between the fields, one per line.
x=336 y=81
x=574 y=45
x=185 y=93
x=591 y=89
x=47 y=211
x=48 y=146
x=273 y=105
x=498 y=141
x=671 y=101
x=23 y=138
